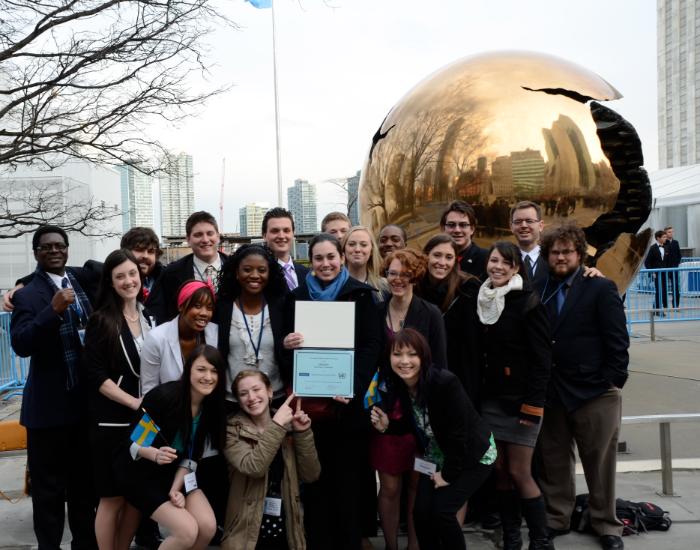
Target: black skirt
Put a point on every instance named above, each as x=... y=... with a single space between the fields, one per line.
x=105 y=443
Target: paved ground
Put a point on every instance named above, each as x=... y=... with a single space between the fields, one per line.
x=665 y=378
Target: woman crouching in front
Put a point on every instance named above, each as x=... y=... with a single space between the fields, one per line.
x=457 y=449
x=264 y=511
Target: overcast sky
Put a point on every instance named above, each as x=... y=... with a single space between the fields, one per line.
x=342 y=64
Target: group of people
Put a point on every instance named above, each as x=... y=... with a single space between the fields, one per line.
x=664 y=253
x=172 y=384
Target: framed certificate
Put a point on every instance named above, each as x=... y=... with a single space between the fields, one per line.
x=323 y=372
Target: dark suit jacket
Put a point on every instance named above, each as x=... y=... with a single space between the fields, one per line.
x=426 y=318
x=654 y=260
x=46 y=402
x=103 y=359
x=473 y=261
x=589 y=343
x=674 y=253
x=541 y=272
x=275 y=306
x=162 y=300
x=301 y=271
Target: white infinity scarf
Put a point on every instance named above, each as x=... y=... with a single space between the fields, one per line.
x=491 y=301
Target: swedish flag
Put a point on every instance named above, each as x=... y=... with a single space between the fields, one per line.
x=145 y=431
x=372 y=396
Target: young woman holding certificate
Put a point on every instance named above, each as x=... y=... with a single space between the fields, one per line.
x=455 y=447
x=178 y=424
x=267 y=466
x=250 y=316
x=113 y=341
x=333 y=503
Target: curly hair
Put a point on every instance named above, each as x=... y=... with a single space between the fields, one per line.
x=414 y=262
x=568 y=231
x=230 y=288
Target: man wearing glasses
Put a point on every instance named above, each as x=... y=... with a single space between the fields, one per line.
x=527 y=225
x=584 y=397
x=48 y=322
x=459 y=221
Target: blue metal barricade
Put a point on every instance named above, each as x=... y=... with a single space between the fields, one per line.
x=13 y=369
x=665 y=295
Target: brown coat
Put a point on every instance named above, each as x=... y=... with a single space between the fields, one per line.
x=250 y=454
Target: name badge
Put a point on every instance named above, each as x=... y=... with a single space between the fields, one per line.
x=424 y=466
x=190 y=482
x=272 y=506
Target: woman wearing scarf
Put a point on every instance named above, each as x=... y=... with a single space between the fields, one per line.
x=518 y=360
x=332 y=504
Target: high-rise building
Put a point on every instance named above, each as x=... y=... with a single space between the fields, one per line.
x=301 y=199
x=528 y=172
x=137 y=197
x=354 y=199
x=251 y=216
x=176 y=194
x=73 y=188
x=678 y=82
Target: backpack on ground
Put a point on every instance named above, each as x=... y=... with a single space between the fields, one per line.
x=640 y=517
x=637 y=517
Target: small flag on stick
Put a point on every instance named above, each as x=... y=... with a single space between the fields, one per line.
x=145 y=431
x=372 y=396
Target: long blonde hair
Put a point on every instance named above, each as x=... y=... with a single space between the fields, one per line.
x=374 y=263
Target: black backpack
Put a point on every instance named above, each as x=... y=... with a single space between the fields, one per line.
x=640 y=517
x=637 y=517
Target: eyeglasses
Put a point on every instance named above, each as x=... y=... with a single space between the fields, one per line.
x=405 y=275
x=526 y=221
x=565 y=252
x=461 y=225
x=49 y=247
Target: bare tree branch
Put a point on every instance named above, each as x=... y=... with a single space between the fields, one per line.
x=83 y=78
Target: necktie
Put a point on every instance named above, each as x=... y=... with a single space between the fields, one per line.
x=530 y=266
x=75 y=306
x=208 y=272
x=291 y=283
x=561 y=296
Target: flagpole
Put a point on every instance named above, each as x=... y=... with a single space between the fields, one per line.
x=277 y=111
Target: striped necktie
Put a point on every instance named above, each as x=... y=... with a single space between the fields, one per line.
x=291 y=283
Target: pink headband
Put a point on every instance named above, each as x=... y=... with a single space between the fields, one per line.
x=190 y=288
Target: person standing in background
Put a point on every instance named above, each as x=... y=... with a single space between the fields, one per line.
x=459 y=222
x=278 y=233
x=673 y=250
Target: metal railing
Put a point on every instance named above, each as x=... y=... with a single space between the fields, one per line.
x=665 y=295
x=664 y=421
x=13 y=369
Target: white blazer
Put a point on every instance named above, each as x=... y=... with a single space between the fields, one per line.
x=161 y=358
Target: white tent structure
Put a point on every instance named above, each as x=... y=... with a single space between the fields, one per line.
x=676 y=202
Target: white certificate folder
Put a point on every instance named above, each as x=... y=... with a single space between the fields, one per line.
x=324 y=364
x=326 y=324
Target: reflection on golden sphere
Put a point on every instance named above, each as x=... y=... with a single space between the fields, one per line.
x=498 y=128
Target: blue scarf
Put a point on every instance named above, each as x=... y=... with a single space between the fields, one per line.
x=331 y=291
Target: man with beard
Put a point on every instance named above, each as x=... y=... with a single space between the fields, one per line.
x=584 y=399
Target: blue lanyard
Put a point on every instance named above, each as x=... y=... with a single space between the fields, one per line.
x=544 y=291
x=250 y=334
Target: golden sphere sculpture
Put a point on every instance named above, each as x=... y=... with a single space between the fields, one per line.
x=498 y=128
